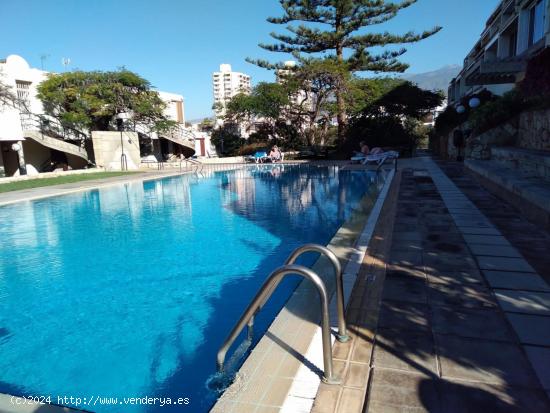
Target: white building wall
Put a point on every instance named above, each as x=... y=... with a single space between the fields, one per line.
x=15 y=69
x=203 y=145
x=523 y=31
x=173 y=101
x=12 y=70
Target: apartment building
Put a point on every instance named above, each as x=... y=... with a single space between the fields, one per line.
x=30 y=144
x=227 y=84
x=301 y=97
x=20 y=154
x=515 y=31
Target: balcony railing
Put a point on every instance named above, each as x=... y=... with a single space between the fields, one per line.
x=495 y=72
x=52 y=127
x=503 y=66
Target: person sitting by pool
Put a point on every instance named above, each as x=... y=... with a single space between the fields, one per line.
x=365 y=150
x=275 y=154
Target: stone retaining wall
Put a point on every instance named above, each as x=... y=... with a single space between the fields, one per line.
x=528 y=162
x=531 y=130
x=479 y=147
x=534 y=130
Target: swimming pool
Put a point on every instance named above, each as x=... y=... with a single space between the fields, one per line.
x=128 y=291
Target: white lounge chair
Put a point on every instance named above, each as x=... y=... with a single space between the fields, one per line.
x=378 y=158
x=358 y=157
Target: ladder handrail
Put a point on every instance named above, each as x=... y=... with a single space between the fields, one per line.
x=342 y=335
x=265 y=292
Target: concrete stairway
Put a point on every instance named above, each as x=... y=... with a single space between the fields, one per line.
x=57 y=144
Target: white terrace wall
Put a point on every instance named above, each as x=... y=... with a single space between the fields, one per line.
x=108 y=150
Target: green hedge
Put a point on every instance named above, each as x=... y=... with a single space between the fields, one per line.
x=496 y=112
x=536 y=85
x=532 y=93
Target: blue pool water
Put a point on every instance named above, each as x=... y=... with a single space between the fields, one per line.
x=128 y=291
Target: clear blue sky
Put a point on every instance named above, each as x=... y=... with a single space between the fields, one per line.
x=177 y=44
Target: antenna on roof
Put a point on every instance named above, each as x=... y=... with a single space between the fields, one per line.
x=43 y=58
x=65 y=61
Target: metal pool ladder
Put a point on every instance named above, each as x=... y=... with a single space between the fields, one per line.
x=269 y=287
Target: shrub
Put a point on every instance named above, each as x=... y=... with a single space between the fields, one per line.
x=252 y=148
x=384 y=132
x=496 y=112
x=448 y=120
x=536 y=85
x=228 y=139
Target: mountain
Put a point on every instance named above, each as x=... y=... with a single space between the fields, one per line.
x=436 y=80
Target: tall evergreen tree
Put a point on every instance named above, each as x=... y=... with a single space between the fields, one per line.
x=338 y=27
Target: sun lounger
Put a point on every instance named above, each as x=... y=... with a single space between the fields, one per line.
x=358 y=157
x=258 y=157
x=378 y=158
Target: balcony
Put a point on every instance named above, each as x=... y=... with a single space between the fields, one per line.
x=503 y=66
x=496 y=72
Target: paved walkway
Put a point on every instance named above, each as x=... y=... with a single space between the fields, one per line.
x=532 y=241
x=464 y=319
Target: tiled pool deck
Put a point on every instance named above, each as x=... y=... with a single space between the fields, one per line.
x=445 y=316
x=463 y=318
x=532 y=241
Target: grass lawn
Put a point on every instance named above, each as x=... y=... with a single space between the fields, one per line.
x=68 y=179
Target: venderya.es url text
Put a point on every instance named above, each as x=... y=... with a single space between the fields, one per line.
x=84 y=402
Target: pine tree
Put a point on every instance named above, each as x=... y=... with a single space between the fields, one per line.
x=338 y=27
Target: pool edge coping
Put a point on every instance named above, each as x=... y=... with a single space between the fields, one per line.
x=120 y=180
x=303 y=389
x=298 y=392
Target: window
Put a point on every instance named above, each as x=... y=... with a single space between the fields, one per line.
x=23 y=94
x=491 y=53
x=513 y=44
x=536 y=22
